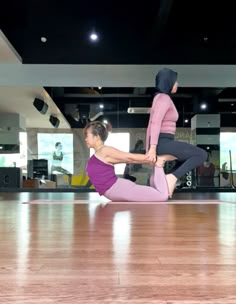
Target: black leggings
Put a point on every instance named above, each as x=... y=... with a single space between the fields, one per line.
x=189 y=155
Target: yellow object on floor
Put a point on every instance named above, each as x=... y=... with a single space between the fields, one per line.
x=81 y=180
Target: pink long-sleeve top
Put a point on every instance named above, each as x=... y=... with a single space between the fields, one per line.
x=163 y=118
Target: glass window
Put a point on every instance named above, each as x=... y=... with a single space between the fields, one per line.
x=16 y=159
x=120 y=141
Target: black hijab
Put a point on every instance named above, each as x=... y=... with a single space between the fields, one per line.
x=165 y=79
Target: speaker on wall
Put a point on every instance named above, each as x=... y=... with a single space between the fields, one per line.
x=10 y=177
x=54 y=121
x=40 y=105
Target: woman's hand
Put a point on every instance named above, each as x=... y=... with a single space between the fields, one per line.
x=151 y=154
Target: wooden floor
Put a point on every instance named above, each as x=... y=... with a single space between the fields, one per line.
x=89 y=253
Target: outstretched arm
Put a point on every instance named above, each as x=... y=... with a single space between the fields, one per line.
x=114 y=156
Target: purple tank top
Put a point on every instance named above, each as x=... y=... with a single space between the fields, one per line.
x=101 y=175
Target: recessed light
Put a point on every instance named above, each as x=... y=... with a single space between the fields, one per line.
x=93 y=36
x=43 y=39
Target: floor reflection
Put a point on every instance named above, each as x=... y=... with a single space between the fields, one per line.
x=121 y=237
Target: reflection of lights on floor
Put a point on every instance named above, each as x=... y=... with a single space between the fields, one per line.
x=121 y=226
x=92 y=212
x=25 y=197
x=227 y=225
x=94 y=197
x=121 y=238
x=23 y=237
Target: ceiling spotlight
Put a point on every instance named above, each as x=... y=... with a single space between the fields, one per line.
x=203 y=106
x=101 y=106
x=93 y=36
x=186 y=120
x=99 y=88
x=43 y=39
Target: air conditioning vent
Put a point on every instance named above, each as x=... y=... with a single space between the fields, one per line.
x=138 y=110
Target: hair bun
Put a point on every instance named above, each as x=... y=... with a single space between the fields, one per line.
x=108 y=126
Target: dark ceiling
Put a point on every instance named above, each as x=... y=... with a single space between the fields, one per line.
x=153 y=32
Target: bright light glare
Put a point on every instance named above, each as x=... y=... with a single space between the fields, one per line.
x=94 y=37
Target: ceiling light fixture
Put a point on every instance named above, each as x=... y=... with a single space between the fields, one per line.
x=93 y=36
x=138 y=110
x=203 y=106
x=43 y=39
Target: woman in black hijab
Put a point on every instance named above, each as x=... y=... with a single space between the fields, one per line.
x=160 y=137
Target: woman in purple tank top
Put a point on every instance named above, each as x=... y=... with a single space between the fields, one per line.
x=100 y=169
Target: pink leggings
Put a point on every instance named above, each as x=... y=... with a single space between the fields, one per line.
x=127 y=191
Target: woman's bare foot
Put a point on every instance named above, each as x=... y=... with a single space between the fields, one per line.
x=171 y=182
x=160 y=161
